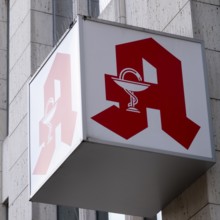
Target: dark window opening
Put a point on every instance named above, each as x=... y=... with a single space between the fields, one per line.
x=67 y=213
x=63 y=14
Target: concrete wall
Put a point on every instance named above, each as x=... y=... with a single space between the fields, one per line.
x=30 y=42
x=31 y=39
x=167 y=16
x=3 y=91
x=41 y=31
x=202 y=199
x=16 y=150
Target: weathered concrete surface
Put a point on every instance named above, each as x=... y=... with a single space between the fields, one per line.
x=210 y=211
x=3 y=93
x=206 y=24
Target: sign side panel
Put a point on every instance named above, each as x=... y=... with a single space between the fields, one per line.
x=55 y=110
x=104 y=108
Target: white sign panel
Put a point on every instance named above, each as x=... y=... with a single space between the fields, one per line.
x=140 y=90
x=145 y=91
x=55 y=110
x=108 y=89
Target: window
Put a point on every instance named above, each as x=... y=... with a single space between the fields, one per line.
x=6 y=210
x=115 y=216
x=93 y=8
x=62 y=17
x=109 y=216
x=101 y=215
x=67 y=213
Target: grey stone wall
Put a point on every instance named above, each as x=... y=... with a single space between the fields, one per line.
x=30 y=41
x=3 y=93
x=3 y=71
x=206 y=22
x=167 y=15
x=16 y=149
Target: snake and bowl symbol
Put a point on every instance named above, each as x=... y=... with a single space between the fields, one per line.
x=131 y=87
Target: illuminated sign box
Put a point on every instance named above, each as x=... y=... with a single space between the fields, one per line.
x=119 y=119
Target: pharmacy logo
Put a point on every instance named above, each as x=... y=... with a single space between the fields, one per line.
x=134 y=95
x=57 y=112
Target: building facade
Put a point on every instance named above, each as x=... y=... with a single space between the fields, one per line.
x=29 y=30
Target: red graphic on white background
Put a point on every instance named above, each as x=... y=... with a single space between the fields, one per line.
x=134 y=95
x=57 y=111
x=130 y=87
